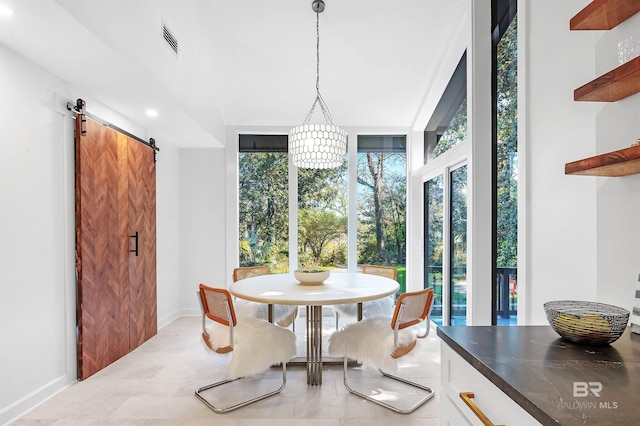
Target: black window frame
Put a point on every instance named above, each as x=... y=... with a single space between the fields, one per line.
x=502 y=13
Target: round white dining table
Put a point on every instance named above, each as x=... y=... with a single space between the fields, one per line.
x=339 y=288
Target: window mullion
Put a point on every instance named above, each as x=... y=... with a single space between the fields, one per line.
x=293 y=216
x=352 y=205
x=446 y=247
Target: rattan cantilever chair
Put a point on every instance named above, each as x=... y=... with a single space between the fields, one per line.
x=372 y=341
x=375 y=307
x=251 y=336
x=250 y=271
x=283 y=315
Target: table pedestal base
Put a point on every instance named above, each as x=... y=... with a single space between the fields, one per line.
x=314 y=345
x=314 y=360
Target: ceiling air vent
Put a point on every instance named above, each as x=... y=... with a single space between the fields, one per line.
x=171 y=41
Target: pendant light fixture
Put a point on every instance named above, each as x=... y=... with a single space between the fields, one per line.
x=317 y=146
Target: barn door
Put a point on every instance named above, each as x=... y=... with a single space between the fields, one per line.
x=115 y=198
x=142 y=239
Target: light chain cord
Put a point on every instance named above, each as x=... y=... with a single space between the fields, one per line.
x=319 y=100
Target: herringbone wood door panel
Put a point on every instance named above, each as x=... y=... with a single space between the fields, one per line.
x=115 y=197
x=142 y=268
x=103 y=297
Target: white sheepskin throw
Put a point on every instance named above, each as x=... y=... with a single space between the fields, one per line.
x=372 y=309
x=245 y=308
x=370 y=342
x=257 y=345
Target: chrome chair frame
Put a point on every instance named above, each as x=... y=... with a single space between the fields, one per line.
x=231 y=319
x=396 y=328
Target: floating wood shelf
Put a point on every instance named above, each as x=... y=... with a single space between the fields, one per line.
x=604 y=14
x=615 y=85
x=617 y=163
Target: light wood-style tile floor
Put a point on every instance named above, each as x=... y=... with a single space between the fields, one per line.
x=155 y=384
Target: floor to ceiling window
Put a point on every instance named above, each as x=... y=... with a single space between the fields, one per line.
x=318 y=201
x=263 y=197
x=322 y=218
x=445 y=202
x=445 y=257
x=382 y=202
x=505 y=142
x=458 y=238
x=434 y=243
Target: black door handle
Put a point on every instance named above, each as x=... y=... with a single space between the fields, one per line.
x=136 y=249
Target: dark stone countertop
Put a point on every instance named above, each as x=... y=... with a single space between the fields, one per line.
x=537 y=369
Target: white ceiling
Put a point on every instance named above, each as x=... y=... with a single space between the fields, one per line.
x=241 y=62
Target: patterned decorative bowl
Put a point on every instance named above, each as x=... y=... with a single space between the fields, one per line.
x=589 y=323
x=311 y=276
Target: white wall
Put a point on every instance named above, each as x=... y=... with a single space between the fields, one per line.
x=479 y=170
x=617 y=199
x=202 y=223
x=561 y=210
x=37 y=261
x=168 y=233
x=36 y=237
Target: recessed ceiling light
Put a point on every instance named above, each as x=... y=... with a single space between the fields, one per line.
x=151 y=113
x=5 y=11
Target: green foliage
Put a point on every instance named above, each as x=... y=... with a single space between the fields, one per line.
x=322 y=216
x=254 y=251
x=507 y=149
x=402 y=278
x=382 y=208
x=435 y=219
x=319 y=232
x=459 y=216
x=263 y=208
x=455 y=133
x=324 y=189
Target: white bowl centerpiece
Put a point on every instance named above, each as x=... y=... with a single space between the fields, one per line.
x=311 y=276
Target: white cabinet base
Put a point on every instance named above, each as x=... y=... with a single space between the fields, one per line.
x=459 y=376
